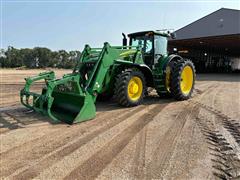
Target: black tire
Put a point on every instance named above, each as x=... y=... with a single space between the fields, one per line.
x=167 y=92
x=175 y=86
x=121 y=87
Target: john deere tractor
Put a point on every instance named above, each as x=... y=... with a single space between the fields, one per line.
x=124 y=72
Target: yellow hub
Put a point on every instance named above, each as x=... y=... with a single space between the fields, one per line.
x=186 y=80
x=135 y=88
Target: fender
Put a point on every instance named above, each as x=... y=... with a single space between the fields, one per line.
x=169 y=59
x=142 y=67
x=147 y=74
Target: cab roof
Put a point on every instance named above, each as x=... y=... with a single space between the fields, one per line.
x=162 y=33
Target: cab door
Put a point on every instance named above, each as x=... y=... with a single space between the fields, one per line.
x=146 y=42
x=160 y=47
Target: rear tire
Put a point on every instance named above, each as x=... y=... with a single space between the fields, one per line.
x=167 y=79
x=130 y=87
x=182 y=80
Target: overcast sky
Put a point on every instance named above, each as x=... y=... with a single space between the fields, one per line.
x=70 y=25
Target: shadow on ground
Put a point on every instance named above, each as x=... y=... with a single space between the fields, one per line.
x=19 y=117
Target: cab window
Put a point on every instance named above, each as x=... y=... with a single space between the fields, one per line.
x=160 y=45
x=145 y=42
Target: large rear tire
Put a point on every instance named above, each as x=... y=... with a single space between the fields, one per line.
x=130 y=87
x=182 y=80
x=167 y=79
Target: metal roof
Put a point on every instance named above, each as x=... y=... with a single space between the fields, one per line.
x=221 y=22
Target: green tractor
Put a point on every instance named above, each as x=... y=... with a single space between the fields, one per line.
x=124 y=72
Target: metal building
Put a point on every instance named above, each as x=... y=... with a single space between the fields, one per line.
x=212 y=42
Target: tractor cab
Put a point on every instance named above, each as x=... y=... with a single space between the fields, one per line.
x=153 y=43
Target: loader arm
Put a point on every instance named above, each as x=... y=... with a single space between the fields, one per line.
x=107 y=59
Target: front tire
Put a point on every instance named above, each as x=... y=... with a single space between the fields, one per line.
x=130 y=87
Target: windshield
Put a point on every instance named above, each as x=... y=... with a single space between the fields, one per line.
x=145 y=42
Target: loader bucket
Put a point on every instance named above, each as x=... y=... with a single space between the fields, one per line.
x=72 y=108
x=61 y=99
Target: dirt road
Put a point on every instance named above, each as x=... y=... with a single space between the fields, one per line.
x=161 y=139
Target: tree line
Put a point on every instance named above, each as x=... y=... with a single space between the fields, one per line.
x=38 y=57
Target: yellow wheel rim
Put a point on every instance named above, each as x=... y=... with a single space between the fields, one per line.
x=186 y=79
x=168 y=73
x=135 y=88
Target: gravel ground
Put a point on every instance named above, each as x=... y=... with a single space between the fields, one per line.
x=161 y=139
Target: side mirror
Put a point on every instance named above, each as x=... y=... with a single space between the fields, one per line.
x=173 y=35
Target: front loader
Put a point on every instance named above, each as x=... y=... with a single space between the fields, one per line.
x=123 y=72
